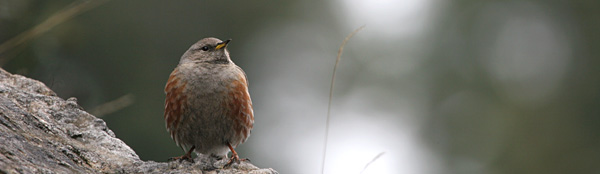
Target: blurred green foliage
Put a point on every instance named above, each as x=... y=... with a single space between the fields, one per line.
x=485 y=86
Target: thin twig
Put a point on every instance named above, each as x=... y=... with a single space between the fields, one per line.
x=59 y=17
x=373 y=160
x=337 y=60
x=113 y=106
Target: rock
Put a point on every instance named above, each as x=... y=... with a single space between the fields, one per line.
x=42 y=133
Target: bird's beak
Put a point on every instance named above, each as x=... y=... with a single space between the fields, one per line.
x=222 y=44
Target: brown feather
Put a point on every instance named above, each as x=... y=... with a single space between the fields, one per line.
x=241 y=108
x=174 y=104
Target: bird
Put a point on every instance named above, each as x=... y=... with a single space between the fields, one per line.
x=208 y=109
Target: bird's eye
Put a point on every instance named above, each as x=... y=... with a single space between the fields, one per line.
x=204 y=48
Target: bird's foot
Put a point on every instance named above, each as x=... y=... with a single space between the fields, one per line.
x=235 y=159
x=185 y=157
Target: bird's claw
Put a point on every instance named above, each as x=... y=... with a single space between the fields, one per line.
x=182 y=158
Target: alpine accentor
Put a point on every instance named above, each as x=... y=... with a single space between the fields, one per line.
x=208 y=109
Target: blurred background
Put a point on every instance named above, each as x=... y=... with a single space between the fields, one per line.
x=439 y=86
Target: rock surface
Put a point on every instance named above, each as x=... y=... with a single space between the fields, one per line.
x=42 y=133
